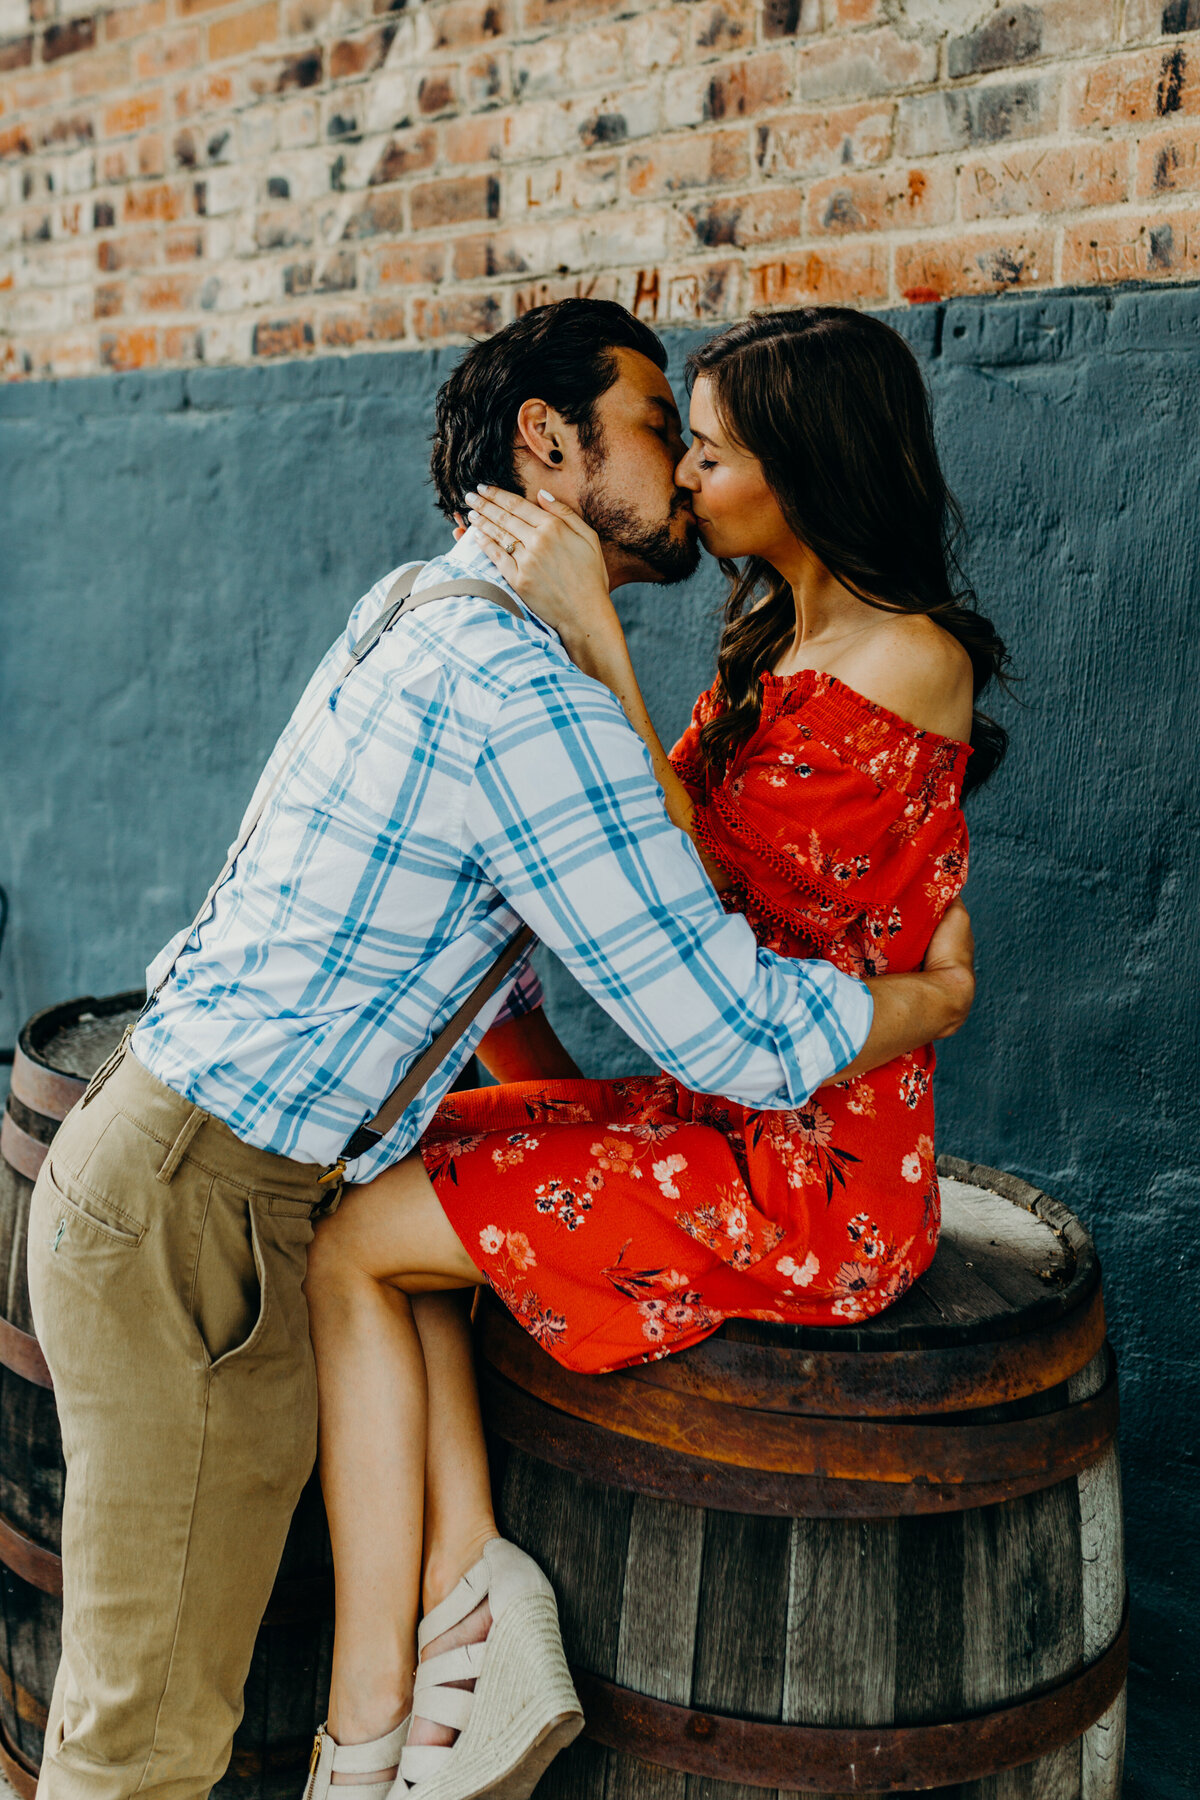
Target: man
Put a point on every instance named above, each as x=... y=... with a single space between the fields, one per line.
x=462 y=777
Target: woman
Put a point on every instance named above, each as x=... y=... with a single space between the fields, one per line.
x=821 y=780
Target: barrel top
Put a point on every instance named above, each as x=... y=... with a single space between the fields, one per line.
x=60 y=1049
x=1009 y=1259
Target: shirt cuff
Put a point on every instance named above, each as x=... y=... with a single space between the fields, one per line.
x=842 y=1010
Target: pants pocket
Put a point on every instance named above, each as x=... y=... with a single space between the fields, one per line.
x=228 y=1300
x=91 y=1212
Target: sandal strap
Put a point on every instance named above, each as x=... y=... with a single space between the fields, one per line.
x=419 y=1761
x=445 y=1706
x=458 y=1604
x=463 y=1663
x=366 y=1759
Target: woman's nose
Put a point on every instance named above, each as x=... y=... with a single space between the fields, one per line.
x=686 y=473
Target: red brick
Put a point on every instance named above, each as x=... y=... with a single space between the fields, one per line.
x=875 y=62
x=486 y=81
x=243 y=31
x=114 y=166
x=750 y=85
x=460 y=315
x=209 y=93
x=341 y=331
x=108 y=300
x=971 y=264
x=832 y=276
x=68 y=39
x=883 y=200
x=785 y=18
x=847 y=14
x=743 y=221
x=183 y=246
x=472 y=140
x=437 y=92
x=137 y=349
x=131 y=21
x=498 y=253
x=164 y=201
x=69 y=129
x=16 y=53
x=407 y=265
x=1162 y=247
x=135 y=250
x=283 y=337
x=134 y=114
x=187 y=8
x=180 y=344
x=151 y=156
x=1169 y=162
x=167 y=293
x=720 y=26
x=386 y=321
x=1045 y=181
x=360 y=55
x=1123 y=90
x=17 y=140
x=458 y=202
x=540 y=15
x=675 y=165
x=304 y=18
x=380 y=212
x=465 y=24
x=406 y=154
x=821 y=142
x=100 y=74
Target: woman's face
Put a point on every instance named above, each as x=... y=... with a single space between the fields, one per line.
x=737 y=512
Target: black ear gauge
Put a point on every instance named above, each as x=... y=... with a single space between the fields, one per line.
x=556 y=456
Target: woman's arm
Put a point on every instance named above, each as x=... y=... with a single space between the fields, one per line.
x=556 y=566
x=526 y=1049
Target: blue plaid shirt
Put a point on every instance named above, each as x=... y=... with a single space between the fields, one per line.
x=465 y=777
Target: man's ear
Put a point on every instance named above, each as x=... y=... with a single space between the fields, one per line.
x=541 y=431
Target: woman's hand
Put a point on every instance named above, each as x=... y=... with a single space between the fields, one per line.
x=554 y=561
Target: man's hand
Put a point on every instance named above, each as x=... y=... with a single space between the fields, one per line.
x=951 y=958
x=911 y=1010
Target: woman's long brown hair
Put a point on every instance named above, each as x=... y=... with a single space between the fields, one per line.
x=833 y=405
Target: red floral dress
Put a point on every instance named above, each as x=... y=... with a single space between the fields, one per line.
x=622 y=1220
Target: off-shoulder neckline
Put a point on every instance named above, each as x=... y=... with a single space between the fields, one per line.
x=852 y=695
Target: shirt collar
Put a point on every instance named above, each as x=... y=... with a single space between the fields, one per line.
x=467 y=558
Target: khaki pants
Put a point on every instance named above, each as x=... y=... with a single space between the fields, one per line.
x=165 y=1267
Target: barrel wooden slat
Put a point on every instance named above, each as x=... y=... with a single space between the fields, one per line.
x=985 y=1634
x=289 y=1675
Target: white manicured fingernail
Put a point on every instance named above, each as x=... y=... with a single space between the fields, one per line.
x=471 y=496
x=484 y=488
x=544 y=494
x=472 y=516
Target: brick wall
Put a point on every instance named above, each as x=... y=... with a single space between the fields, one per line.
x=225 y=180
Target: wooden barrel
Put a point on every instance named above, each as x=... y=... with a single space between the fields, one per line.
x=876 y=1560
x=288 y=1685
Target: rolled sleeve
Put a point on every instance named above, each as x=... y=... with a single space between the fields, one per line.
x=564 y=816
x=524 y=996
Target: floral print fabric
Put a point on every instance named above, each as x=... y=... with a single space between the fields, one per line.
x=623 y=1220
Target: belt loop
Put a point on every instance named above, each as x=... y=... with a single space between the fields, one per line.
x=179 y=1148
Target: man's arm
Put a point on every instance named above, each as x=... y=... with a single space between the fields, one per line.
x=566 y=819
x=911 y=1010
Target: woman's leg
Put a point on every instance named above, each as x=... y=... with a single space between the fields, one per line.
x=459 y=1519
x=388 y=1241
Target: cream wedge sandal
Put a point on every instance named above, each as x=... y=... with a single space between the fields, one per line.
x=524 y=1709
x=357 y=1759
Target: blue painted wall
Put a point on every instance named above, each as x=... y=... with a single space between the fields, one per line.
x=177 y=550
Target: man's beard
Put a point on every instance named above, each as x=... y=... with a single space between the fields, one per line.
x=671 y=559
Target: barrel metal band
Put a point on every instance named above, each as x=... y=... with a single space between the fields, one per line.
x=878 y=1449
x=20 y=1150
x=598 y=1454
x=295 y=1600
x=21 y=1352
x=20 y=1769
x=852 y=1759
x=43 y=1090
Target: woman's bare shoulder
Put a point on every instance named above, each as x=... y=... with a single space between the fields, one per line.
x=918 y=671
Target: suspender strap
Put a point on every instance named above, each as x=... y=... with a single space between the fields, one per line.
x=400 y=600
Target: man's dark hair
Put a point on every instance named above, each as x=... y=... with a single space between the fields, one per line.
x=562 y=354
